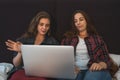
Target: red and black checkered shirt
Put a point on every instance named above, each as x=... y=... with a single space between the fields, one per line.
x=96 y=47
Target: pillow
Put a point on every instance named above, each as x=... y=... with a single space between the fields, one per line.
x=116 y=58
x=118 y=74
x=4 y=69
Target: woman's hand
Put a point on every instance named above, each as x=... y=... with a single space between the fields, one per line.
x=98 y=66
x=13 y=46
x=77 y=70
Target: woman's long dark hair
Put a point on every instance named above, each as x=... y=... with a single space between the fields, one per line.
x=74 y=32
x=32 y=30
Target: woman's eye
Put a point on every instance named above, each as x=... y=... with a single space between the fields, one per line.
x=41 y=24
x=81 y=19
x=47 y=25
x=75 y=21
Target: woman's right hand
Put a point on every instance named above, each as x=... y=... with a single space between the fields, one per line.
x=13 y=46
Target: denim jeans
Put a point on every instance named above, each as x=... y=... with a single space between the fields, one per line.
x=64 y=79
x=94 y=75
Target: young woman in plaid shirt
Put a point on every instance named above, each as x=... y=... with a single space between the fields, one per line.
x=92 y=61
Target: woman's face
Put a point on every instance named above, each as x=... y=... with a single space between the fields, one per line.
x=43 y=26
x=80 y=22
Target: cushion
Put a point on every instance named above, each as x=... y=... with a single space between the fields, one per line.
x=116 y=58
x=4 y=69
x=118 y=74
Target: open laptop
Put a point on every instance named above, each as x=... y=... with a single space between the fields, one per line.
x=48 y=61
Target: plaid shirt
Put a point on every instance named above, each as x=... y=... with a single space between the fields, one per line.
x=96 y=47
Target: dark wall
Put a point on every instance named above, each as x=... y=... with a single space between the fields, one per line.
x=16 y=15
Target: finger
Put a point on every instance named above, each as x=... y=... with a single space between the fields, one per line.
x=10 y=49
x=19 y=42
x=10 y=41
x=9 y=44
x=100 y=67
x=96 y=68
x=91 y=68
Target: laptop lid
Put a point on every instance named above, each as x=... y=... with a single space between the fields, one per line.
x=48 y=61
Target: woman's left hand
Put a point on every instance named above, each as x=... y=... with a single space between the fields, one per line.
x=98 y=66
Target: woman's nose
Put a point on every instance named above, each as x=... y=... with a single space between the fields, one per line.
x=43 y=26
x=78 y=22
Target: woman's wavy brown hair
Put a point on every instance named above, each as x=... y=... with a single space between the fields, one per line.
x=74 y=32
x=32 y=30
